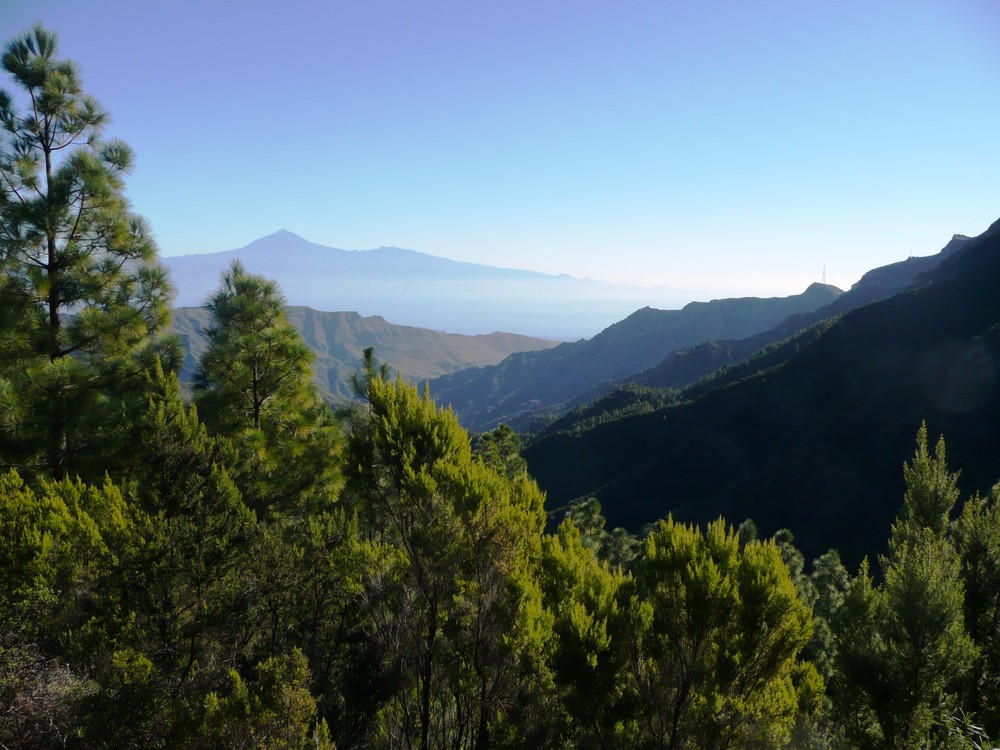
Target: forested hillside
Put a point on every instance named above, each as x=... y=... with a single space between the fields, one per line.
x=338 y=338
x=250 y=569
x=808 y=434
x=523 y=385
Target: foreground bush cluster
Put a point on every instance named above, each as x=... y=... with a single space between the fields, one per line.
x=419 y=604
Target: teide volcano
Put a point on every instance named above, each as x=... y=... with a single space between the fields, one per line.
x=410 y=288
x=815 y=442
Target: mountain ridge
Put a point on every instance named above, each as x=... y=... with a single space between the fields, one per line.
x=338 y=340
x=712 y=363
x=685 y=366
x=528 y=382
x=815 y=442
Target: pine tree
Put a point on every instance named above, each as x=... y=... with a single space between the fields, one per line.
x=81 y=285
x=273 y=711
x=902 y=646
x=254 y=358
x=585 y=596
x=931 y=491
x=456 y=606
x=718 y=631
x=174 y=611
x=977 y=537
x=255 y=386
x=500 y=449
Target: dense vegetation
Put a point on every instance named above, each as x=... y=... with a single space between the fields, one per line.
x=251 y=569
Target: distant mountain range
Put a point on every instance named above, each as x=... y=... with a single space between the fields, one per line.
x=339 y=338
x=415 y=289
x=794 y=411
x=810 y=433
x=659 y=348
x=528 y=383
x=683 y=367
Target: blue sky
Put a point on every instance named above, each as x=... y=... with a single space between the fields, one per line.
x=718 y=147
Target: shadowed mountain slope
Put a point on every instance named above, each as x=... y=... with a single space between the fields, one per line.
x=720 y=362
x=528 y=382
x=685 y=366
x=816 y=439
x=339 y=338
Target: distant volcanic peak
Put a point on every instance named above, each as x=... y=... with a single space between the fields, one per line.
x=284 y=240
x=282 y=235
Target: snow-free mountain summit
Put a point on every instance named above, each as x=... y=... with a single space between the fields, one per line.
x=412 y=288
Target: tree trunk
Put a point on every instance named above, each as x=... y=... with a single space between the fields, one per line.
x=425 y=698
x=57 y=430
x=483 y=736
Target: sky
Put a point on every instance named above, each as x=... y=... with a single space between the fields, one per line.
x=722 y=148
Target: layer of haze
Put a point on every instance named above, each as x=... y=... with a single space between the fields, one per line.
x=723 y=148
